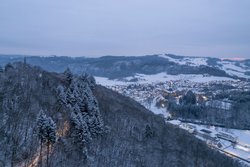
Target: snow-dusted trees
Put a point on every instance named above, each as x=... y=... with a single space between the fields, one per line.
x=41 y=124
x=10 y=125
x=68 y=74
x=1 y=69
x=188 y=98
x=86 y=120
x=148 y=132
x=85 y=102
x=62 y=97
x=46 y=132
x=46 y=128
x=89 y=79
x=80 y=132
x=8 y=67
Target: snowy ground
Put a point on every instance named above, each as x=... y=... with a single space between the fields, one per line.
x=160 y=77
x=229 y=67
x=233 y=70
x=192 y=61
x=156 y=110
x=107 y=82
x=241 y=148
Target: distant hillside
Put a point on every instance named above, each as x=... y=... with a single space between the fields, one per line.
x=120 y=66
x=94 y=126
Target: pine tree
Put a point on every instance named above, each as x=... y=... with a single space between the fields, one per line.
x=1 y=69
x=41 y=124
x=80 y=131
x=8 y=67
x=189 y=98
x=46 y=132
x=86 y=120
x=68 y=74
x=148 y=132
x=50 y=135
x=89 y=79
x=61 y=94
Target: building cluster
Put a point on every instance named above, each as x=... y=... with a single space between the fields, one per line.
x=163 y=92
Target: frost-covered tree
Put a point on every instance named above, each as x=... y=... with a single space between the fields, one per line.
x=68 y=74
x=81 y=128
x=50 y=135
x=1 y=69
x=46 y=132
x=41 y=125
x=62 y=96
x=86 y=120
x=8 y=67
x=41 y=128
x=188 y=98
x=89 y=79
x=148 y=132
x=10 y=125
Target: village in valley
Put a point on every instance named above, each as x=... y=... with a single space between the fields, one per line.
x=156 y=96
x=160 y=93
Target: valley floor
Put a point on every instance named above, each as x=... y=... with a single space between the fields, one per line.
x=232 y=142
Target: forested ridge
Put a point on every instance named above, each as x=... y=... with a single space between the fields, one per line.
x=51 y=119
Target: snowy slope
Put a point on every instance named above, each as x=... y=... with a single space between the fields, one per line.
x=233 y=68
x=108 y=82
x=191 y=61
x=241 y=148
x=160 y=77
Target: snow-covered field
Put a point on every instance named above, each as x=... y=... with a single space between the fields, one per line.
x=108 y=82
x=160 y=77
x=232 y=68
x=240 y=149
x=192 y=61
x=157 y=110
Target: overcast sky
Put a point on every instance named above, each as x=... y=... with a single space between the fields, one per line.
x=216 y=28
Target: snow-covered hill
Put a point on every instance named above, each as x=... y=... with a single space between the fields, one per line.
x=141 y=67
x=191 y=61
x=160 y=77
x=234 y=68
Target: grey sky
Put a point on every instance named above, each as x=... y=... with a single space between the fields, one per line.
x=217 y=28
